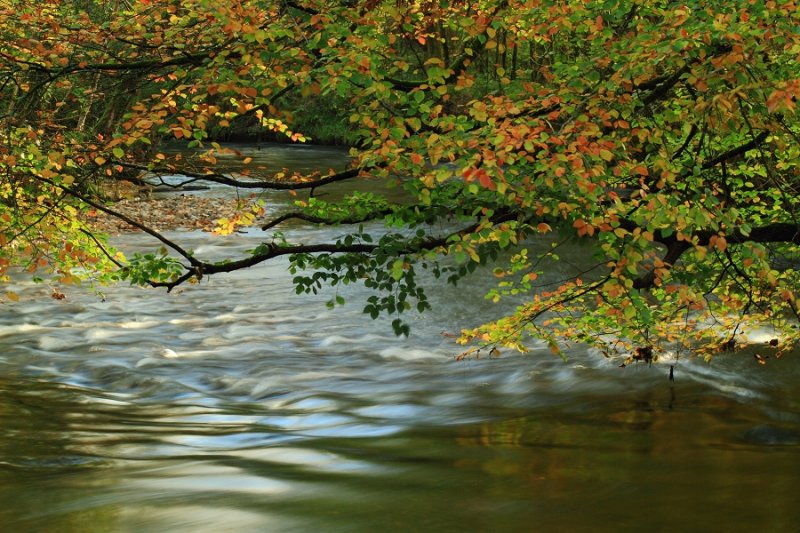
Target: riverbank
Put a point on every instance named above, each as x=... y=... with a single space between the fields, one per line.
x=164 y=213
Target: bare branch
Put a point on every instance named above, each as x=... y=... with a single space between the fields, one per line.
x=734 y=152
x=97 y=205
x=224 y=179
x=320 y=220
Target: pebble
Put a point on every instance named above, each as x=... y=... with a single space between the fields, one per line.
x=187 y=212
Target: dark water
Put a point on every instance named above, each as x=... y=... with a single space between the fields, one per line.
x=236 y=406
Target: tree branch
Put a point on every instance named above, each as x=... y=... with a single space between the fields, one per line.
x=457 y=65
x=223 y=179
x=674 y=250
x=85 y=199
x=777 y=232
x=201 y=268
x=320 y=220
x=739 y=150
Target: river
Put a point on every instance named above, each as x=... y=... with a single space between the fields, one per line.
x=236 y=406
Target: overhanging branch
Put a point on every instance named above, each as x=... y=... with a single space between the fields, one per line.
x=99 y=206
x=223 y=179
x=375 y=215
x=271 y=251
x=770 y=233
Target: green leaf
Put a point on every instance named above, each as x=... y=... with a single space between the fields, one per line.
x=398 y=269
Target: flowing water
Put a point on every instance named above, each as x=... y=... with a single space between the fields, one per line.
x=237 y=406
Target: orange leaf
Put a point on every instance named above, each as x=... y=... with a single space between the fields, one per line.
x=485 y=179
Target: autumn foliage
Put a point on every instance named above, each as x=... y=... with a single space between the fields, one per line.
x=660 y=137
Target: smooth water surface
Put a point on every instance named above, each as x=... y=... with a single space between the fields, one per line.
x=235 y=405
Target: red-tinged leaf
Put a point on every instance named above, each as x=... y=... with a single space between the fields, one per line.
x=485 y=180
x=780 y=100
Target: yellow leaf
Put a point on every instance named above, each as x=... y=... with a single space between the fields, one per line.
x=606 y=155
x=13 y=296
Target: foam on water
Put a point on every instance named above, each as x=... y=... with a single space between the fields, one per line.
x=22 y=328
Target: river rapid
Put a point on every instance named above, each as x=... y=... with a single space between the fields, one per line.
x=235 y=405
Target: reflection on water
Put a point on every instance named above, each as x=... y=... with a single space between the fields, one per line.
x=236 y=406
x=79 y=460
x=229 y=408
